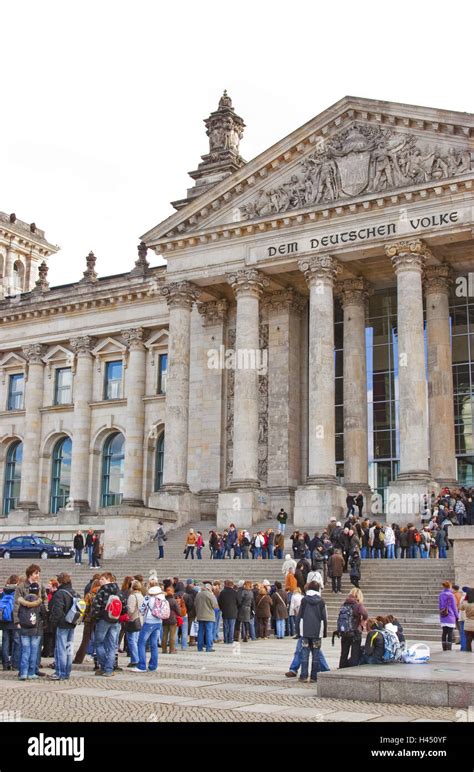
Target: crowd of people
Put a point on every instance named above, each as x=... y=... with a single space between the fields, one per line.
x=236 y=544
x=143 y=615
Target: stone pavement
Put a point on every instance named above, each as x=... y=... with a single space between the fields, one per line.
x=244 y=682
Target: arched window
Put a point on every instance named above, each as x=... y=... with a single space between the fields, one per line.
x=113 y=470
x=11 y=489
x=159 y=461
x=61 y=476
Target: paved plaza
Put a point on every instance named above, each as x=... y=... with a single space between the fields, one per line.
x=243 y=682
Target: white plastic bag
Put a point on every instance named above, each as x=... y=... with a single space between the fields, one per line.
x=194 y=629
x=417 y=654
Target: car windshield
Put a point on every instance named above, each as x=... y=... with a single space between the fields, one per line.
x=44 y=540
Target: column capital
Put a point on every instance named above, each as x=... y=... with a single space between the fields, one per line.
x=285 y=299
x=320 y=268
x=247 y=281
x=214 y=311
x=33 y=353
x=82 y=345
x=180 y=294
x=135 y=338
x=408 y=255
x=353 y=292
x=438 y=278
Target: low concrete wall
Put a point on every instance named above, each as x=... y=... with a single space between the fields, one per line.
x=129 y=528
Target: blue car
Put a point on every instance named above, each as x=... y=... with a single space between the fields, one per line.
x=34 y=547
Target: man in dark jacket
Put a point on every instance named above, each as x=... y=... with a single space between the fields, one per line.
x=106 y=633
x=335 y=570
x=61 y=603
x=311 y=623
x=10 y=632
x=228 y=604
x=33 y=576
x=90 y=546
x=78 y=545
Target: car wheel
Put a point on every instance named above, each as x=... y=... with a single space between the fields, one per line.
x=6 y=555
x=44 y=556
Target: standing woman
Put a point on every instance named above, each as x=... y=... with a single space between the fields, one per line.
x=90 y=547
x=89 y=624
x=135 y=621
x=295 y=603
x=280 y=610
x=191 y=540
x=246 y=610
x=467 y=608
x=263 y=611
x=199 y=545
x=96 y=551
x=170 y=624
x=448 y=615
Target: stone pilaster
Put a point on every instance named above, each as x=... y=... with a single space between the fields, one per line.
x=321 y=494
x=405 y=496
x=135 y=418
x=180 y=297
x=213 y=316
x=437 y=284
x=245 y=502
x=284 y=308
x=83 y=382
x=32 y=439
x=353 y=294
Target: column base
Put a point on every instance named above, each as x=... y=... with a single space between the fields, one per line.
x=175 y=488
x=406 y=498
x=315 y=504
x=209 y=502
x=133 y=502
x=80 y=504
x=237 y=485
x=28 y=505
x=283 y=496
x=447 y=482
x=242 y=507
x=183 y=503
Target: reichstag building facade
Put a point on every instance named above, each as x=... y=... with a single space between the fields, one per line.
x=310 y=334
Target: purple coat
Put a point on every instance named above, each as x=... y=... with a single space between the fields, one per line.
x=447 y=600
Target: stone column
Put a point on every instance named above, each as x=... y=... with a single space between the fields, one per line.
x=180 y=296
x=135 y=418
x=353 y=294
x=284 y=324
x=321 y=497
x=438 y=281
x=248 y=286
x=213 y=316
x=8 y=271
x=81 y=435
x=32 y=440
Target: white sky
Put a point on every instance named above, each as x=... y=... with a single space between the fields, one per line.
x=103 y=101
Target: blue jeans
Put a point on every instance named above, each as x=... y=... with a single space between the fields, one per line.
x=270 y=552
x=229 y=626
x=364 y=553
x=78 y=556
x=462 y=635
x=291 y=625
x=189 y=551
x=29 y=645
x=184 y=634
x=151 y=632
x=310 y=645
x=206 y=630
x=257 y=553
x=106 y=644
x=425 y=553
x=132 y=640
x=281 y=527
x=296 y=662
x=376 y=553
x=90 y=556
x=253 y=635
x=217 y=615
x=10 y=648
x=280 y=628
x=390 y=551
x=442 y=552
x=413 y=551
x=161 y=553
x=199 y=553
x=279 y=554
x=63 y=651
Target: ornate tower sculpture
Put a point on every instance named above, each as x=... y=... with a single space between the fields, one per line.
x=225 y=130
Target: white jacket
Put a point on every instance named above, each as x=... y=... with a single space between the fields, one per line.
x=315 y=576
x=389 y=536
x=295 y=604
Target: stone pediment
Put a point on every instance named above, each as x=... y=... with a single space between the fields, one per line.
x=356 y=148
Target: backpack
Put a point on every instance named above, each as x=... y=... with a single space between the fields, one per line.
x=113 y=608
x=417 y=538
x=6 y=607
x=161 y=609
x=28 y=617
x=76 y=613
x=381 y=537
x=346 y=622
x=392 y=649
x=182 y=607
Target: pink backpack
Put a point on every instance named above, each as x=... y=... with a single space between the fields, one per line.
x=161 y=609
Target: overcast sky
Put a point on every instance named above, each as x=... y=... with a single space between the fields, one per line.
x=103 y=101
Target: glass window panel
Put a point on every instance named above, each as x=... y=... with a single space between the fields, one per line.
x=63 y=391
x=15 y=391
x=162 y=373
x=463 y=439
x=381 y=329
x=461 y=379
x=339 y=419
x=339 y=391
x=382 y=358
x=381 y=387
x=338 y=335
x=462 y=408
x=466 y=470
x=382 y=412
x=339 y=447
x=460 y=317
x=460 y=348
x=113 y=380
x=382 y=446
x=339 y=363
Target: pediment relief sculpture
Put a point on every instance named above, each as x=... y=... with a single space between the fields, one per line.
x=361 y=159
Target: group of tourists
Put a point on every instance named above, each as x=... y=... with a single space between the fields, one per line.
x=456 y=615
x=236 y=544
x=456 y=506
x=93 y=546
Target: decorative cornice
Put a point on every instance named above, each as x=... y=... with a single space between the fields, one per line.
x=33 y=353
x=213 y=312
x=83 y=344
x=135 y=338
x=438 y=278
x=247 y=281
x=408 y=255
x=281 y=300
x=354 y=291
x=180 y=294
x=320 y=268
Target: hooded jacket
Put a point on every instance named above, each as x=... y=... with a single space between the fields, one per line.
x=9 y=589
x=148 y=604
x=60 y=604
x=228 y=603
x=448 y=601
x=312 y=620
x=246 y=601
x=34 y=603
x=22 y=590
x=100 y=601
x=287 y=564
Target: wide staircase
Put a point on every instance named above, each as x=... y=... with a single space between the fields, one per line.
x=408 y=589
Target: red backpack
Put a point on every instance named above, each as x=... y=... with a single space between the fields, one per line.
x=113 y=608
